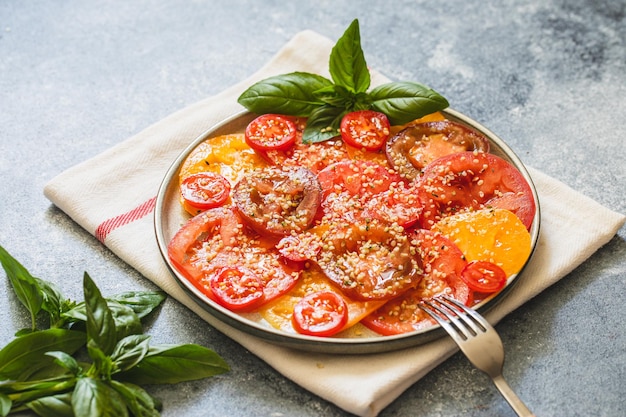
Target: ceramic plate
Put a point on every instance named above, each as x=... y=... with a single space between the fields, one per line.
x=170 y=216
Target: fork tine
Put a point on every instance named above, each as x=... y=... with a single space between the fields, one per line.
x=454 y=312
x=477 y=318
x=436 y=312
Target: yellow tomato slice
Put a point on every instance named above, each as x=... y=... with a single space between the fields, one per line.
x=494 y=235
x=228 y=155
x=279 y=312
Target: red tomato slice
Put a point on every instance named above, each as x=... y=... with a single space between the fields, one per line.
x=469 y=180
x=483 y=276
x=218 y=238
x=320 y=314
x=399 y=204
x=201 y=239
x=299 y=248
x=368 y=260
x=278 y=201
x=443 y=263
x=314 y=156
x=271 y=132
x=360 y=177
x=205 y=190
x=365 y=129
x=413 y=148
x=236 y=288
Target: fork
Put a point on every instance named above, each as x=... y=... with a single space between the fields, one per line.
x=478 y=340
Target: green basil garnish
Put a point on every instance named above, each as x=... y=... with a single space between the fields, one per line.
x=325 y=102
x=39 y=369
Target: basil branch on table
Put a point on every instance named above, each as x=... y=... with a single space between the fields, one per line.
x=93 y=355
x=324 y=102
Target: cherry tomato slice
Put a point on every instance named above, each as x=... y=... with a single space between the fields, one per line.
x=320 y=314
x=271 y=132
x=205 y=190
x=365 y=129
x=483 y=276
x=236 y=288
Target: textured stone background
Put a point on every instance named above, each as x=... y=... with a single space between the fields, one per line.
x=548 y=76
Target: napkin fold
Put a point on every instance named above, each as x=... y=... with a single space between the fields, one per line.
x=112 y=195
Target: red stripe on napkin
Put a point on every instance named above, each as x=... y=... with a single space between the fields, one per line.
x=107 y=226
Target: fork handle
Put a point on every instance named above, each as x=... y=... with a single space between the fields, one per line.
x=514 y=401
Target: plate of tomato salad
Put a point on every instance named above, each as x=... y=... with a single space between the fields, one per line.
x=330 y=246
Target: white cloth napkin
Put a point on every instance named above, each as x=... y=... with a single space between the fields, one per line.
x=112 y=196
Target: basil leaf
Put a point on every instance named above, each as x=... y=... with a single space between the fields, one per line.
x=122 y=312
x=24 y=355
x=142 y=302
x=323 y=124
x=22 y=332
x=100 y=322
x=138 y=401
x=53 y=406
x=24 y=284
x=125 y=319
x=129 y=351
x=290 y=94
x=5 y=404
x=347 y=64
x=167 y=364
x=94 y=398
x=66 y=361
x=405 y=101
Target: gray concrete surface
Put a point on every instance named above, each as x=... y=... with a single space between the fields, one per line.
x=549 y=76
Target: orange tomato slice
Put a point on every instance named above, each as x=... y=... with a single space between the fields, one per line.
x=228 y=155
x=494 y=235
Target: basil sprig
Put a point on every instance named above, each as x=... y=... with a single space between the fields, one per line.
x=40 y=369
x=324 y=102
